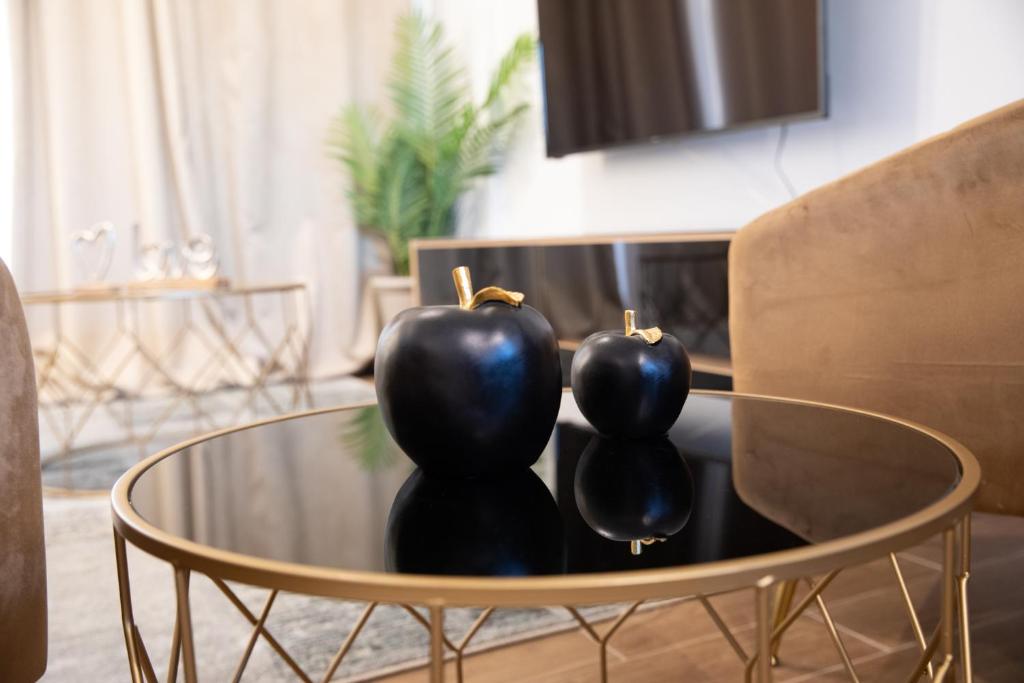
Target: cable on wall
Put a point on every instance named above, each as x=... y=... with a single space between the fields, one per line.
x=780 y=147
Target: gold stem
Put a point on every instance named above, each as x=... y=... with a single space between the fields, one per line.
x=635 y=547
x=463 y=286
x=651 y=335
x=630 y=317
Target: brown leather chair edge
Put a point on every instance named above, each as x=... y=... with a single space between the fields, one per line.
x=900 y=288
x=23 y=628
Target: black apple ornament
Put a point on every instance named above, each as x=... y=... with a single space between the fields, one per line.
x=506 y=526
x=631 y=384
x=473 y=389
x=636 y=491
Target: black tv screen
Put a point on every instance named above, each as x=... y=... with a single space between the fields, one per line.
x=625 y=71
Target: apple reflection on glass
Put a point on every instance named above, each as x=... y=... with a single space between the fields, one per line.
x=638 y=491
x=507 y=526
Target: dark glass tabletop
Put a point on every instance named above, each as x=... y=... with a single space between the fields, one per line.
x=734 y=477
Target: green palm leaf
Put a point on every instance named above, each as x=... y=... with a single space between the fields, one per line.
x=485 y=145
x=353 y=141
x=428 y=89
x=405 y=177
x=511 y=65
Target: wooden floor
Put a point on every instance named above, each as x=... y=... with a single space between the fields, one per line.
x=680 y=643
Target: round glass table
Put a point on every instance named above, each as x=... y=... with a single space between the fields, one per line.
x=744 y=492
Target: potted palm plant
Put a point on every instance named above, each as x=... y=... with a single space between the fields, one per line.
x=407 y=173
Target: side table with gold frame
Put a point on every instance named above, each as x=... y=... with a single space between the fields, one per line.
x=234 y=345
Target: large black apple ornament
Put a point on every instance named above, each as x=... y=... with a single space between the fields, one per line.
x=636 y=491
x=507 y=526
x=473 y=389
x=631 y=384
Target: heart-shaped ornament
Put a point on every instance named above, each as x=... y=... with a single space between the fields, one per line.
x=93 y=250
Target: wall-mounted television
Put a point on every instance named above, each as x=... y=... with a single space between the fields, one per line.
x=619 y=72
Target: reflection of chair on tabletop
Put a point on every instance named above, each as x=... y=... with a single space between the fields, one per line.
x=22 y=561
x=897 y=289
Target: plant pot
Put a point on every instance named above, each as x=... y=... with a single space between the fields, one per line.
x=384 y=297
x=391 y=294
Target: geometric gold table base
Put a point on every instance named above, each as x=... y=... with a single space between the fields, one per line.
x=937 y=659
x=110 y=369
x=953 y=617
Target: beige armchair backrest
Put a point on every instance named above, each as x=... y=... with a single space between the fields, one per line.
x=900 y=288
x=22 y=561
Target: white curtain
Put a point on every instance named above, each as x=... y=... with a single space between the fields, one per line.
x=6 y=140
x=196 y=116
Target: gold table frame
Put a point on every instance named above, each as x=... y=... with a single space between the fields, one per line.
x=73 y=385
x=772 y=576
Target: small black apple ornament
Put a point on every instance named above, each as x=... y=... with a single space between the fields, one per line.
x=637 y=491
x=631 y=384
x=473 y=389
x=506 y=526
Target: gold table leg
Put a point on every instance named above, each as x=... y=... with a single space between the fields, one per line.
x=175 y=656
x=460 y=652
x=436 y=644
x=964 y=614
x=602 y=641
x=458 y=648
x=256 y=630
x=346 y=645
x=953 y=612
x=925 y=657
x=915 y=623
x=764 y=629
x=188 y=653
x=948 y=594
x=723 y=628
x=127 y=617
x=783 y=601
x=252 y=619
x=837 y=640
x=757 y=659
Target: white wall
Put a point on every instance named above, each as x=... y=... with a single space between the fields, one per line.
x=899 y=71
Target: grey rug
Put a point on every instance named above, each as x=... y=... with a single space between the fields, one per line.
x=86 y=642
